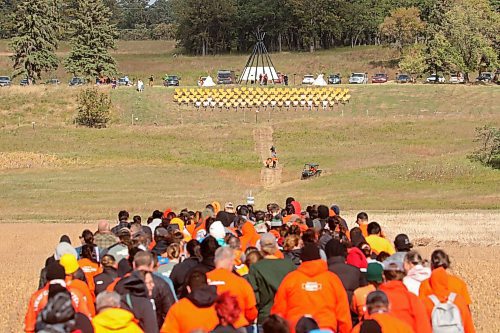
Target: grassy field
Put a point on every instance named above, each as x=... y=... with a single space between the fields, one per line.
x=394 y=147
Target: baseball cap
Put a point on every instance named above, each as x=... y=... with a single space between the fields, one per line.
x=69 y=262
x=402 y=242
x=374 y=272
x=393 y=265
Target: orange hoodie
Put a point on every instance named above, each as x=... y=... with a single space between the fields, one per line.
x=455 y=285
x=439 y=281
x=406 y=306
x=249 y=237
x=83 y=288
x=313 y=290
x=388 y=323
x=226 y=281
x=186 y=316
x=40 y=298
x=90 y=269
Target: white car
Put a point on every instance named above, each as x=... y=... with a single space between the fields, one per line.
x=456 y=78
x=358 y=78
x=434 y=78
x=308 y=79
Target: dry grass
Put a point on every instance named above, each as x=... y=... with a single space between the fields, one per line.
x=470 y=237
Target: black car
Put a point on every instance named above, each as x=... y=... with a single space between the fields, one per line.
x=5 y=81
x=76 y=81
x=171 y=80
x=226 y=77
x=403 y=78
x=334 y=79
x=485 y=77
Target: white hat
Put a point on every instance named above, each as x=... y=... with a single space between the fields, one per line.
x=217 y=230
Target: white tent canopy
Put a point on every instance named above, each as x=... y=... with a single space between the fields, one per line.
x=320 y=81
x=253 y=73
x=209 y=82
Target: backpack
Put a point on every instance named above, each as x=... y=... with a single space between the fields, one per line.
x=446 y=316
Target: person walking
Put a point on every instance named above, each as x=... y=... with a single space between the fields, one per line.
x=266 y=275
x=376 y=241
x=441 y=261
x=404 y=305
x=226 y=281
x=374 y=277
x=379 y=317
x=415 y=271
x=111 y=318
x=196 y=311
x=313 y=290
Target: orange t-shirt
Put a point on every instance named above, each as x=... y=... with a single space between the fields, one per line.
x=358 y=304
x=185 y=317
x=90 y=269
x=237 y=286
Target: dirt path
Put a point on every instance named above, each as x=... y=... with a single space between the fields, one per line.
x=263 y=137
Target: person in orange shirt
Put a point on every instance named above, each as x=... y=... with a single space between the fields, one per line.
x=439 y=281
x=312 y=289
x=55 y=275
x=70 y=264
x=362 y=222
x=249 y=237
x=196 y=311
x=404 y=304
x=379 y=318
x=440 y=260
x=226 y=281
x=89 y=265
x=374 y=277
x=377 y=241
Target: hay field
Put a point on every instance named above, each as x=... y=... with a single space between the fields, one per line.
x=471 y=238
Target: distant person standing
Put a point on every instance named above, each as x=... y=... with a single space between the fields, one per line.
x=151 y=80
x=140 y=85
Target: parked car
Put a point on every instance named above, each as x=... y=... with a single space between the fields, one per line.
x=308 y=79
x=171 y=80
x=403 y=78
x=5 y=81
x=24 y=82
x=334 y=79
x=380 y=78
x=485 y=77
x=358 y=78
x=77 y=81
x=456 y=78
x=435 y=78
x=226 y=77
x=53 y=82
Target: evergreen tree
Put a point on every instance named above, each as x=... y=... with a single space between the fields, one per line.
x=34 y=46
x=92 y=35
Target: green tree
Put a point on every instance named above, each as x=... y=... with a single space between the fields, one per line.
x=7 y=9
x=402 y=27
x=488 y=152
x=36 y=41
x=205 y=27
x=413 y=60
x=92 y=36
x=93 y=108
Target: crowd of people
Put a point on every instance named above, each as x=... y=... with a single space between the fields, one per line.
x=229 y=269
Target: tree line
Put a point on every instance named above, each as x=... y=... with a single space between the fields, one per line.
x=430 y=35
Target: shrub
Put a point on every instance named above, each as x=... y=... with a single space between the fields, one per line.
x=488 y=152
x=93 y=108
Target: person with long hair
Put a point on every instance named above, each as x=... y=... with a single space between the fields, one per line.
x=228 y=311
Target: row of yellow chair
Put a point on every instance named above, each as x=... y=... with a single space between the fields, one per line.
x=248 y=97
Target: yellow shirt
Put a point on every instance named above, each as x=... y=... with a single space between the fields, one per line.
x=379 y=244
